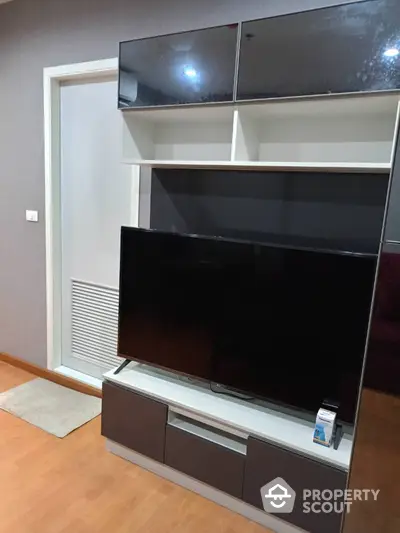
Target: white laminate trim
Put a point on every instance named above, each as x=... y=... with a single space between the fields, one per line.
x=135 y=196
x=85 y=70
x=278 y=166
x=205 y=420
x=235 y=505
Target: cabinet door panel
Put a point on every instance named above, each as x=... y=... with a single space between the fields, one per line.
x=134 y=421
x=376 y=459
x=204 y=460
x=182 y=68
x=331 y=50
x=382 y=372
x=266 y=462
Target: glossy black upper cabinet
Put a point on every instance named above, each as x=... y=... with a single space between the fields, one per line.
x=182 y=68
x=341 y=49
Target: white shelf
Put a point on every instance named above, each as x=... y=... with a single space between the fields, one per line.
x=263 y=165
x=247 y=418
x=178 y=163
x=342 y=134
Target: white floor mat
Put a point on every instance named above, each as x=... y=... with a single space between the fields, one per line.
x=49 y=406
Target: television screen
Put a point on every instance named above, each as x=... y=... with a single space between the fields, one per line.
x=288 y=325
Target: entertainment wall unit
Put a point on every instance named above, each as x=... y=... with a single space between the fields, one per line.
x=201 y=101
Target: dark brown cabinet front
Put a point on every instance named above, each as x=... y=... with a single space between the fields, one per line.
x=134 y=421
x=265 y=462
x=220 y=467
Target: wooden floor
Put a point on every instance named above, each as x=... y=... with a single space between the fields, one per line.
x=51 y=485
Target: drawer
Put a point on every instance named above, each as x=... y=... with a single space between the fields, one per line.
x=205 y=460
x=134 y=421
x=265 y=462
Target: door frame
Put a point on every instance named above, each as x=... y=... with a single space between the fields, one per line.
x=53 y=77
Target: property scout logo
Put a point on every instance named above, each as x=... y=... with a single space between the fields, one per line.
x=279 y=497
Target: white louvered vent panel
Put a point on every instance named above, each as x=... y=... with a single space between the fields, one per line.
x=94 y=323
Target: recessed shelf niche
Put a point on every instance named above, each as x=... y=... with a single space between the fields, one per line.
x=201 y=133
x=355 y=130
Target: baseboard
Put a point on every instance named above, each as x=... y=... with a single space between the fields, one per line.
x=96 y=383
x=50 y=375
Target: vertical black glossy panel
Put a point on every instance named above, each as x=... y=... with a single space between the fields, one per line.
x=182 y=68
x=382 y=371
x=321 y=210
x=339 y=49
x=376 y=461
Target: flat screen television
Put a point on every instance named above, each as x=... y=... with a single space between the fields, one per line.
x=285 y=324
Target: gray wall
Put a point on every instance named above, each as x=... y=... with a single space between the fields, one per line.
x=40 y=33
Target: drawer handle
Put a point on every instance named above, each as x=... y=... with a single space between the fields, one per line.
x=208 y=433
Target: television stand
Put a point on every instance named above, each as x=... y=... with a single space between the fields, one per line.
x=122 y=366
x=224 y=448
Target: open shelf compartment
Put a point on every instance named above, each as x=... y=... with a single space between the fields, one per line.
x=348 y=131
x=181 y=134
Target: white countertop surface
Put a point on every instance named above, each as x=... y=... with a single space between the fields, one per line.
x=272 y=425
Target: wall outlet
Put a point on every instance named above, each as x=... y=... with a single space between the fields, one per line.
x=32 y=216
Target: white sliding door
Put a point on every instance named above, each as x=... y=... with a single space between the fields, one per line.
x=96 y=200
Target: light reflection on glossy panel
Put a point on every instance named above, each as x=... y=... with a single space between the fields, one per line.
x=376 y=462
x=183 y=68
x=376 y=465
x=341 y=49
